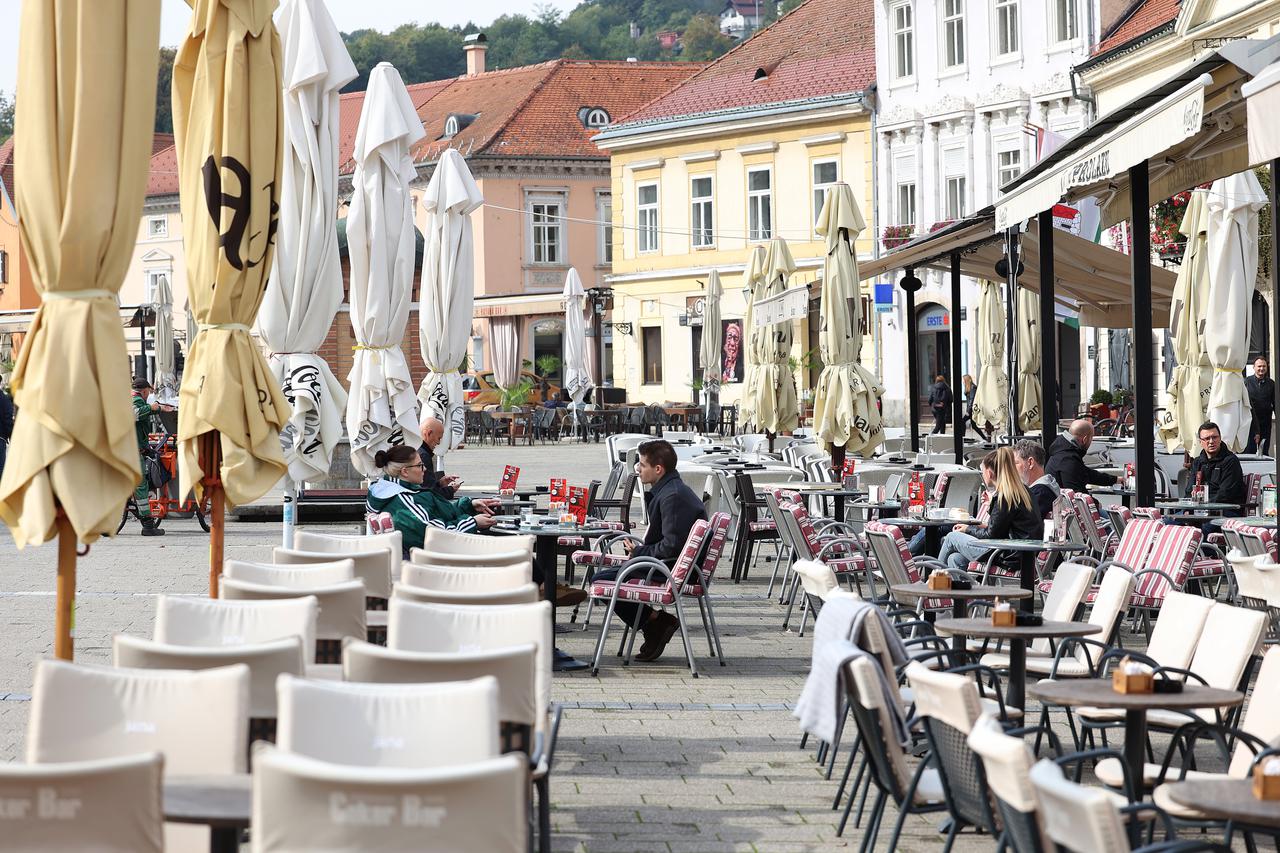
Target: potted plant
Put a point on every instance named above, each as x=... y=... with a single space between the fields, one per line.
x=1100 y=404
x=894 y=236
x=547 y=365
x=1120 y=398
x=511 y=399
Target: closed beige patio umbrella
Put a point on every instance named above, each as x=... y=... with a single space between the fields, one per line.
x=711 y=351
x=1029 y=401
x=1187 y=395
x=228 y=124
x=753 y=282
x=86 y=80
x=845 y=414
x=991 y=403
x=777 y=409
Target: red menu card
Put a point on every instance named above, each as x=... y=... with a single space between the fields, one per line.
x=578 y=503
x=847 y=470
x=559 y=490
x=510 y=476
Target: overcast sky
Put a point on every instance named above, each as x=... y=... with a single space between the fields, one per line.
x=349 y=14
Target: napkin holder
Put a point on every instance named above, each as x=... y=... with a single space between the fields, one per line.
x=1004 y=618
x=1132 y=682
x=1265 y=787
x=938 y=580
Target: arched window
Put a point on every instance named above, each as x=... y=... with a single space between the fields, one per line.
x=597 y=117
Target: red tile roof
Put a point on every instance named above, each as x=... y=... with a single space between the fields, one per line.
x=1145 y=17
x=349 y=116
x=163 y=176
x=6 y=167
x=820 y=49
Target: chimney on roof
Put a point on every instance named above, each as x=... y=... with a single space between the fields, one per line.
x=475 y=46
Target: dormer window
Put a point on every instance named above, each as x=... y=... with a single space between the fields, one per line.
x=455 y=123
x=593 y=117
x=451 y=126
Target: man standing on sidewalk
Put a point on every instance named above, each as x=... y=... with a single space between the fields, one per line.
x=1262 y=400
x=142 y=411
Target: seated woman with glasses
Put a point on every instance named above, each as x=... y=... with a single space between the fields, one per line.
x=413 y=507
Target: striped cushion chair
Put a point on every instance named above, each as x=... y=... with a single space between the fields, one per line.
x=841 y=554
x=1131 y=552
x=649 y=581
x=895 y=563
x=1167 y=568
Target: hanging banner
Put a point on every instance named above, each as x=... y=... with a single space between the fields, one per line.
x=789 y=305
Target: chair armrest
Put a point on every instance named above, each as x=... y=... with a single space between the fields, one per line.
x=1067 y=643
x=1023 y=731
x=544 y=746
x=1093 y=755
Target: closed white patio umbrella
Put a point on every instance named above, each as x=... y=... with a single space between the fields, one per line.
x=1187 y=393
x=991 y=403
x=753 y=282
x=577 y=373
x=382 y=409
x=711 y=352
x=305 y=289
x=845 y=414
x=166 y=368
x=448 y=293
x=777 y=409
x=1232 y=238
x=1029 y=401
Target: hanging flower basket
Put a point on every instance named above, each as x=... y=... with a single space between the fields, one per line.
x=894 y=236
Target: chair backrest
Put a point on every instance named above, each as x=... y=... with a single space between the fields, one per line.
x=1172 y=553
x=417 y=627
x=1070 y=583
x=514 y=667
x=458 y=579
x=300 y=803
x=1252 y=490
x=375 y=567
x=689 y=554
x=890 y=550
x=1006 y=766
x=1249 y=586
x=1257 y=540
x=1174 y=638
x=524 y=594
x=1135 y=543
x=1079 y=819
x=1109 y=605
x=876 y=727
x=345 y=543
x=267 y=660
x=295 y=575
x=717 y=535
x=199 y=721
x=1230 y=638
x=950 y=706
x=983 y=514
x=817 y=578
x=438 y=540
x=342 y=606
x=1090 y=519
x=107 y=804
x=186 y=621
x=472 y=561
x=389 y=725
x=1260 y=718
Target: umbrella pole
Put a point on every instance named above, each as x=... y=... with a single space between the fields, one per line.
x=211 y=464
x=63 y=643
x=288 y=511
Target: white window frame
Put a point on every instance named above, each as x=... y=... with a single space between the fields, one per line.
x=955 y=189
x=154 y=233
x=1057 y=19
x=953 y=37
x=604 y=233
x=909 y=201
x=1005 y=172
x=594 y=116
x=708 y=213
x=152 y=284
x=902 y=53
x=555 y=223
x=1006 y=19
x=758 y=202
x=818 y=189
x=648 y=236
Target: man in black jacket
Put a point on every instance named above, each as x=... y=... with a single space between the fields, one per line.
x=1262 y=402
x=432 y=430
x=1219 y=469
x=672 y=509
x=1066 y=459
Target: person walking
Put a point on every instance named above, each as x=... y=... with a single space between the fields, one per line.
x=1262 y=400
x=970 y=391
x=940 y=404
x=142 y=411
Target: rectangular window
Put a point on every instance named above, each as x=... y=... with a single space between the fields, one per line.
x=647 y=217
x=907 y=204
x=604 y=213
x=825 y=174
x=952 y=33
x=651 y=341
x=157 y=226
x=4 y=267
x=759 y=204
x=1006 y=27
x=1066 y=27
x=955 y=197
x=1008 y=166
x=902 y=19
x=702 y=214
x=547 y=219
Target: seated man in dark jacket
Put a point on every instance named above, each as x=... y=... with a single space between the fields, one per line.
x=1066 y=459
x=672 y=508
x=1219 y=469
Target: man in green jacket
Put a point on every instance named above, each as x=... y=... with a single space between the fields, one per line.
x=142 y=411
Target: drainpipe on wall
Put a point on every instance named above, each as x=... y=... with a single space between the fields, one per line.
x=871 y=102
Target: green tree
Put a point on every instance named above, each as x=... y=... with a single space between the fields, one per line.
x=164 y=91
x=703 y=40
x=7 y=108
x=788 y=5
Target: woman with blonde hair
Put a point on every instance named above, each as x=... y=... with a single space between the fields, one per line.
x=1013 y=516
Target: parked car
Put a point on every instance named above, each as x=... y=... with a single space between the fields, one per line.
x=481 y=389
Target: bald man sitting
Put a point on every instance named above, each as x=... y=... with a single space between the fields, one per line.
x=432 y=434
x=1066 y=459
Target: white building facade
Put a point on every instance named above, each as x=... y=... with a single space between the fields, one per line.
x=963 y=88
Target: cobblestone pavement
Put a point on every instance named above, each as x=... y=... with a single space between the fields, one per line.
x=649 y=758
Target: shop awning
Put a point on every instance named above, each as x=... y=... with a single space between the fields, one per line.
x=1262 y=106
x=1191 y=128
x=1088 y=277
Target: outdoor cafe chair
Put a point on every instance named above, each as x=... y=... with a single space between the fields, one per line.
x=835 y=546
x=460 y=580
x=1003 y=769
x=345 y=543
x=1255 y=587
x=185 y=621
x=106 y=804
x=439 y=542
x=1066 y=594
x=301 y=803
x=290 y=574
x=342 y=612
x=375 y=566
x=389 y=725
x=1167 y=568
x=897 y=566
x=523 y=594
x=514 y=667
x=199 y=721
x=817 y=583
x=753 y=526
x=1131 y=553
